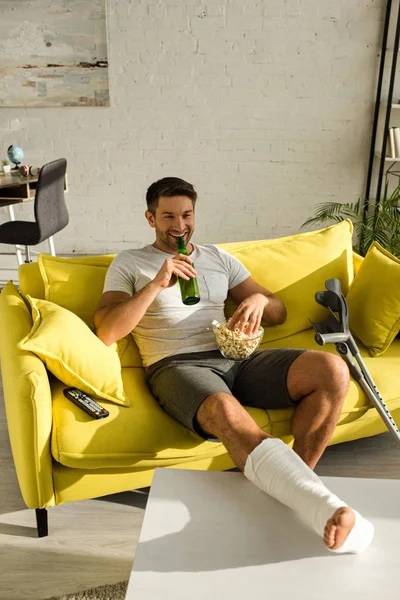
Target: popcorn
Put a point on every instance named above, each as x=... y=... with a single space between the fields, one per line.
x=235 y=344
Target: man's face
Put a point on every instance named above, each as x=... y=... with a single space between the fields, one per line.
x=174 y=217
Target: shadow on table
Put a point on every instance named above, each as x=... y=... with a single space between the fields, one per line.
x=210 y=531
x=181 y=551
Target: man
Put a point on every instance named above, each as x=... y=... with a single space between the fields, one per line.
x=197 y=386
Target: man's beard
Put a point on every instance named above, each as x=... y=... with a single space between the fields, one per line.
x=171 y=242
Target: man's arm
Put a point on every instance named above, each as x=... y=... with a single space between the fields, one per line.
x=255 y=303
x=118 y=313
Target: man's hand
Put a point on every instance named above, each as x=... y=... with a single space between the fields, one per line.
x=249 y=311
x=178 y=266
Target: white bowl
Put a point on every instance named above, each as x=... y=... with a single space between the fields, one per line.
x=234 y=345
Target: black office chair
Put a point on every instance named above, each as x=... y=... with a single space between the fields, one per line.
x=51 y=214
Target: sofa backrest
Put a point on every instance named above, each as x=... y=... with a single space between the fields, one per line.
x=30 y=280
x=294 y=267
x=36 y=278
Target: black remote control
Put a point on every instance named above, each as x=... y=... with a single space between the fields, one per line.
x=86 y=403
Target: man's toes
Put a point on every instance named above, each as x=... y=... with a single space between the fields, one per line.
x=330 y=534
x=343 y=519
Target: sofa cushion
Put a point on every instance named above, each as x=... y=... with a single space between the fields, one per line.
x=77 y=285
x=73 y=353
x=31 y=276
x=145 y=436
x=142 y=436
x=295 y=268
x=374 y=300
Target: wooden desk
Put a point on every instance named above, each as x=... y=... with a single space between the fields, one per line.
x=14 y=188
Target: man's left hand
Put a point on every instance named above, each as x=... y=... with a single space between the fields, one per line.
x=249 y=311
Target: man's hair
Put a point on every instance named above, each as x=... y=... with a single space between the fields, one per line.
x=169 y=186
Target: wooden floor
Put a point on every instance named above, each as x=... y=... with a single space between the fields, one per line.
x=92 y=543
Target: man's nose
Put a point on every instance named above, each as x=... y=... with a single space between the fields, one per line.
x=180 y=224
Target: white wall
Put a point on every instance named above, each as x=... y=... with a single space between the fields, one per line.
x=264 y=105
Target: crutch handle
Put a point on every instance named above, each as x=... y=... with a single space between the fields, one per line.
x=333 y=285
x=330 y=338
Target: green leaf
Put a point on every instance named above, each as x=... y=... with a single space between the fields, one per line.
x=321 y=219
x=380 y=222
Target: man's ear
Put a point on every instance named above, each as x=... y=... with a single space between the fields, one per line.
x=150 y=218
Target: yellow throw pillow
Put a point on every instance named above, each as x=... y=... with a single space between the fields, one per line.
x=374 y=300
x=73 y=353
x=75 y=284
x=295 y=268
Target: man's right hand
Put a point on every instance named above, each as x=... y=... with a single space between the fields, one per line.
x=178 y=266
x=118 y=313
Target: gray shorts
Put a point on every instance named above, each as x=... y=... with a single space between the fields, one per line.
x=182 y=382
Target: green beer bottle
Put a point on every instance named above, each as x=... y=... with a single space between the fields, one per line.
x=189 y=288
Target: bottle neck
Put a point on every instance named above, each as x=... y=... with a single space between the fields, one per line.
x=181 y=246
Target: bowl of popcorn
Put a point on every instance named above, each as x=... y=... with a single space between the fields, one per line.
x=235 y=344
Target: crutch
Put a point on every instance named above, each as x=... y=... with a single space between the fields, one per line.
x=335 y=329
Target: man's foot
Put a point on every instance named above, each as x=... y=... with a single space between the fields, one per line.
x=338 y=527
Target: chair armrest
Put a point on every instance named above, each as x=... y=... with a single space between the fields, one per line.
x=28 y=403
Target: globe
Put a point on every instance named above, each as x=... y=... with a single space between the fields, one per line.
x=15 y=154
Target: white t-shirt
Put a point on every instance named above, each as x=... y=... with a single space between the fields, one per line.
x=168 y=326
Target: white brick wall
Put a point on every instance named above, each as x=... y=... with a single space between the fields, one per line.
x=265 y=105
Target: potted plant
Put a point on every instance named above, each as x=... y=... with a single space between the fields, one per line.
x=380 y=223
x=6 y=166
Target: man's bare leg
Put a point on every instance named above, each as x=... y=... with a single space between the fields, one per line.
x=221 y=415
x=224 y=417
x=319 y=381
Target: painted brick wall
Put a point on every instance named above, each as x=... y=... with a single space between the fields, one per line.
x=265 y=105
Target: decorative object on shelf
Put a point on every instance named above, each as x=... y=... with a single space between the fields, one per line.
x=34 y=171
x=54 y=57
x=15 y=154
x=24 y=171
x=6 y=166
x=381 y=223
x=393 y=148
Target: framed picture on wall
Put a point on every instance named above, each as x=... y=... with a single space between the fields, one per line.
x=53 y=53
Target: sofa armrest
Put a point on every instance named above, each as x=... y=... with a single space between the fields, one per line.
x=28 y=403
x=357 y=260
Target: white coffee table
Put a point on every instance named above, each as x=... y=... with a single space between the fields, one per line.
x=213 y=535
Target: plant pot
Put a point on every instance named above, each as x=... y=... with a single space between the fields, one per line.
x=6 y=168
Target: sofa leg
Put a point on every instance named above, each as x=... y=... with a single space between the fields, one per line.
x=41 y=522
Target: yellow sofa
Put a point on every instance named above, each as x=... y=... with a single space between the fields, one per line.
x=62 y=455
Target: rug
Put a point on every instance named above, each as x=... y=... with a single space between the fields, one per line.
x=116 y=591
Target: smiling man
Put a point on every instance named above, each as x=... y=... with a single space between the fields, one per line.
x=206 y=392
